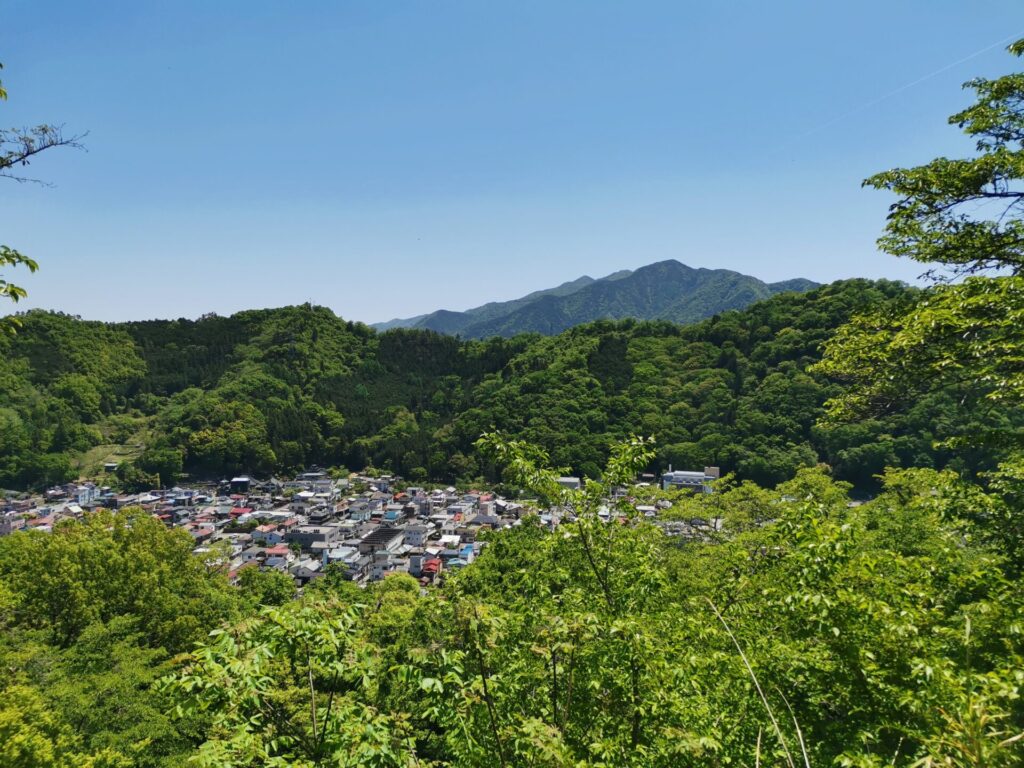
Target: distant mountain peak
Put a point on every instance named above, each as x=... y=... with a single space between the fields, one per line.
x=663 y=290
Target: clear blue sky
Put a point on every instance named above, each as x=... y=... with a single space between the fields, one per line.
x=388 y=158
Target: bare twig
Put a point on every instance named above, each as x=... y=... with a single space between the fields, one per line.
x=312 y=694
x=484 y=676
x=799 y=734
x=757 y=685
x=18 y=146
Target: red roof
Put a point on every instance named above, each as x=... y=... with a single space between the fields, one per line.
x=239 y=511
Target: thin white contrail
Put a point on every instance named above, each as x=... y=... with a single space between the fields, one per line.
x=918 y=81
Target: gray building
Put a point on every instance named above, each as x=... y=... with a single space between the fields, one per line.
x=381 y=539
x=698 y=482
x=308 y=535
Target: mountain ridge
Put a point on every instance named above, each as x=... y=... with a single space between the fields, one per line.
x=664 y=290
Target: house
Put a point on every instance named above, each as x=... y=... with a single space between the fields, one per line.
x=306 y=570
x=394 y=512
x=458 y=511
x=340 y=555
x=416 y=560
x=302 y=501
x=318 y=482
x=450 y=541
x=430 y=570
x=380 y=565
x=201 y=532
x=382 y=483
x=11 y=522
x=485 y=521
x=381 y=539
x=353 y=564
x=416 y=535
x=570 y=483
x=308 y=535
x=697 y=482
x=85 y=494
x=179 y=515
x=359 y=511
x=320 y=515
x=239 y=542
x=278 y=550
x=276 y=562
x=253 y=554
x=44 y=523
x=268 y=534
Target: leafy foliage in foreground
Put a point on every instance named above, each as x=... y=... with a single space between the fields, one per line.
x=90 y=617
x=966 y=218
x=881 y=634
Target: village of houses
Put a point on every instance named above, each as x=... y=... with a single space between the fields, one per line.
x=362 y=527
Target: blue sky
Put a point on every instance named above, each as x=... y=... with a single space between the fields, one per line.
x=388 y=158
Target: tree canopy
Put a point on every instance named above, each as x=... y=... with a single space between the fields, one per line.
x=965 y=217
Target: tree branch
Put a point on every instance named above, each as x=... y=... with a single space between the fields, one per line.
x=19 y=146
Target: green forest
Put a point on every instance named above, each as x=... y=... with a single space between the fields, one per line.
x=273 y=391
x=861 y=606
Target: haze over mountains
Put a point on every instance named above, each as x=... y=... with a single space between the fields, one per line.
x=665 y=290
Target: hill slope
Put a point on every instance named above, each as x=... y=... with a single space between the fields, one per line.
x=271 y=391
x=448 y=321
x=666 y=290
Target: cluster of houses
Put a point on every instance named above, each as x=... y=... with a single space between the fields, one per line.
x=360 y=528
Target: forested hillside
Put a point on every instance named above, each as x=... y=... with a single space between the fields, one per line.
x=275 y=390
